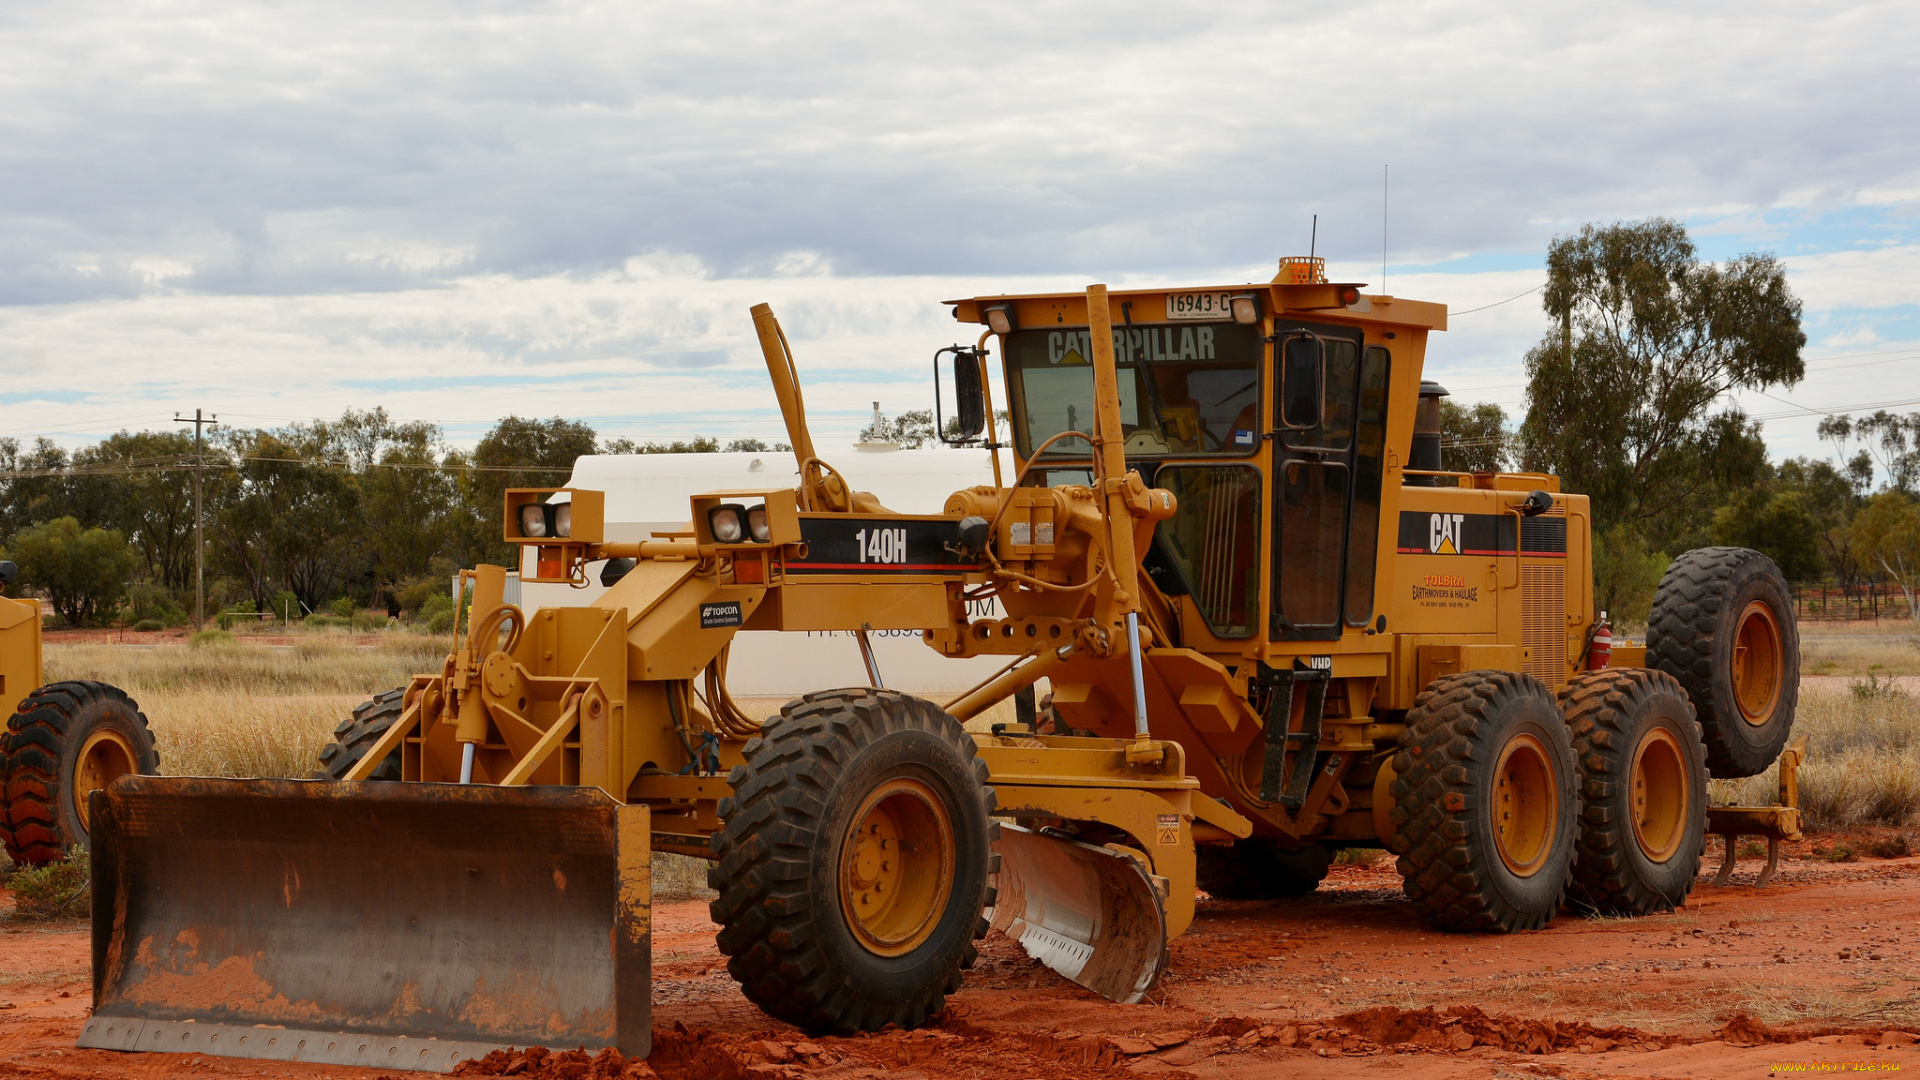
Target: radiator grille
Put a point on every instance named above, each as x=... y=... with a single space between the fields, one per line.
x=1543 y=609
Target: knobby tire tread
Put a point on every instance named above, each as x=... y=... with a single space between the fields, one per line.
x=1444 y=868
x=1599 y=707
x=37 y=740
x=354 y=736
x=1689 y=613
x=761 y=869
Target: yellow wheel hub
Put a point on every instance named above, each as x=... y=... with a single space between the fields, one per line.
x=897 y=866
x=1662 y=795
x=104 y=757
x=1757 y=663
x=1526 y=804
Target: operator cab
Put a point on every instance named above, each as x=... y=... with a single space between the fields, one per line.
x=1220 y=389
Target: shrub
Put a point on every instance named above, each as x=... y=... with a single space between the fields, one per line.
x=149 y=625
x=286 y=605
x=322 y=622
x=1874 y=688
x=53 y=890
x=211 y=639
x=343 y=606
x=416 y=593
x=1890 y=847
x=151 y=603
x=437 y=612
x=84 y=571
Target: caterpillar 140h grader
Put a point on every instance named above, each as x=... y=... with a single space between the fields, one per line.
x=1273 y=626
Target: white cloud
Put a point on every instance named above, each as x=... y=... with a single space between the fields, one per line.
x=1877 y=278
x=526 y=138
x=462 y=210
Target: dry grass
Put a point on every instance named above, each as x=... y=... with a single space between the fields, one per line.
x=679 y=877
x=1863 y=762
x=243 y=709
x=323 y=665
x=1889 y=647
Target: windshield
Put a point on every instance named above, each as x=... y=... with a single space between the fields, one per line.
x=1185 y=388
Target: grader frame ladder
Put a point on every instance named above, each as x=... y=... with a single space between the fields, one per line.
x=1273 y=625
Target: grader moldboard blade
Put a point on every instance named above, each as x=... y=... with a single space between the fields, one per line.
x=389 y=925
x=1090 y=913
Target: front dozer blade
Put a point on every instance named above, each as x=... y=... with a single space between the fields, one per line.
x=1090 y=913
x=388 y=925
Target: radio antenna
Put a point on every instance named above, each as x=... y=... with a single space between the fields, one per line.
x=1314 y=239
x=1383 y=228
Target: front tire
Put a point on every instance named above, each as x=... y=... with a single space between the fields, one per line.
x=64 y=742
x=1723 y=625
x=1485 y=803
x=855 y=861
x=1643 y=782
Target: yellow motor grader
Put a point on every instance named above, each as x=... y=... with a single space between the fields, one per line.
x=1273 y=624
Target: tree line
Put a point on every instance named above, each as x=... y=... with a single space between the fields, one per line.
x=1626 y=403
x=333 y=515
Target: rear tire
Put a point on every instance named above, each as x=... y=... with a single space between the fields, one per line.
x=825 y=926
x=1259 y=869
x=357 y=734
x=1643 y=786
x=64 y=742
x=1723 y=625
x=1485 y=802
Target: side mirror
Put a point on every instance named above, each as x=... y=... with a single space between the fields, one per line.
x=8 y=571
x=1303 y=379
x=969 y=393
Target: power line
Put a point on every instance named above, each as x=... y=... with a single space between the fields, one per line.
x=159 y=466
x=1496 y=304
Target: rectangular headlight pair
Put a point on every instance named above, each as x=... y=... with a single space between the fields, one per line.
x=541 y=520
x=732 y=523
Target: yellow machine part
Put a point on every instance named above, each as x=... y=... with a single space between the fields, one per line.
x=19 y=651
x=384 y=925
x=1093 y=914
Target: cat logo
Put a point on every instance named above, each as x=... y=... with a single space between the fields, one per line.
x=1444 y=533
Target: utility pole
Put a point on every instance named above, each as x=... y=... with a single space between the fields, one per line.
x=199 y=538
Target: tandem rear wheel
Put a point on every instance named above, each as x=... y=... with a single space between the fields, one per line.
x=1643 y=779
x=1485 y=803
x=855 y=861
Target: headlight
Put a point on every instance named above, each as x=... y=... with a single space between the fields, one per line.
x=533 y=520
x=757 y=524
x=727 y=523
x=563 y=519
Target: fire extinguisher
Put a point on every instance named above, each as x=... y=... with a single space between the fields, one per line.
x=1600 y=653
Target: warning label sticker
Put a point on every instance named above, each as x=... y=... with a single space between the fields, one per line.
x=1167 y=830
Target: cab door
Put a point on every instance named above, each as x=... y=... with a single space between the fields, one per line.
x=1326 y=505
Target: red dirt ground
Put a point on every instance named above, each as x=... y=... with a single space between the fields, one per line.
x=1821 y=968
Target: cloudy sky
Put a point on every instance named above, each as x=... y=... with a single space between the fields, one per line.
x=279 y=211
